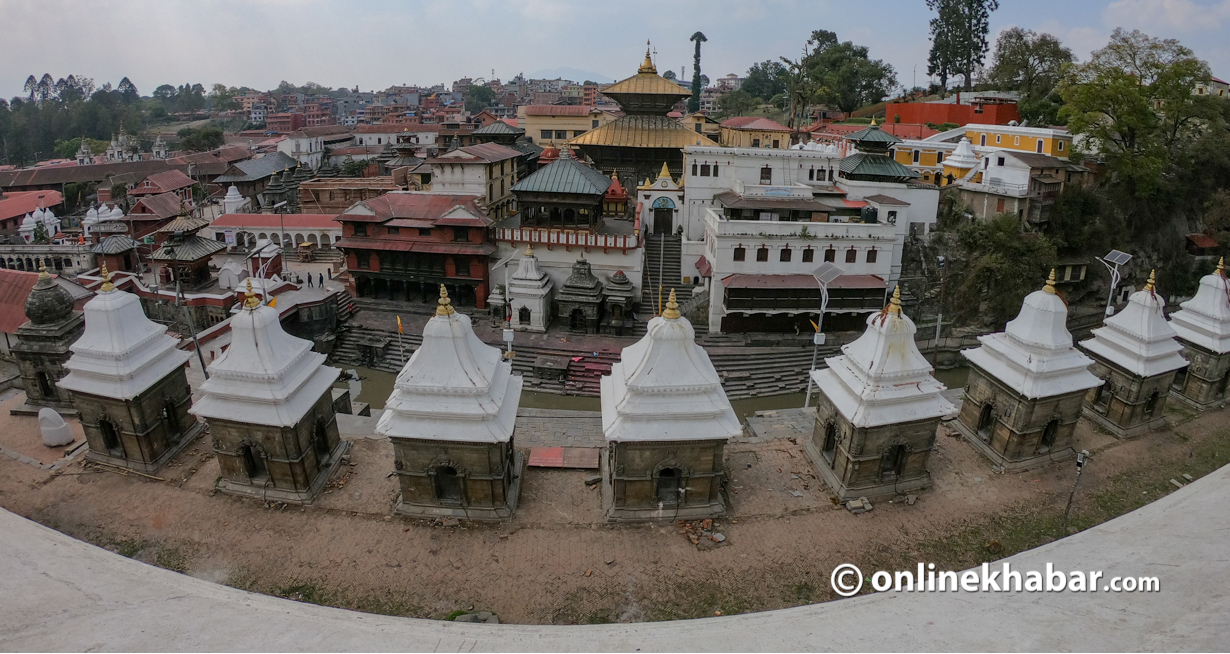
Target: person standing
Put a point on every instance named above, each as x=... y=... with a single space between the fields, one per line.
x=322 y=280
x=309 y=280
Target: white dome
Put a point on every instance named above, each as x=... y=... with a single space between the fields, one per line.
x=963 y=156
x=1138 y=339
x=1205 y=319
x=28 y=221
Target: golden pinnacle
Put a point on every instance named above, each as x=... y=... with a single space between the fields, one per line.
x=107 y=286
x=529 y=250
x=894 y=305
x=42 y=270
x=1221 y=266
x=1152 y=283
x=445 y=306
x=672 y=308
x=1050 y=283
x=251 y=302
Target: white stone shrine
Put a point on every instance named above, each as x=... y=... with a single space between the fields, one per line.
x=530 y=292
x=1203 y=328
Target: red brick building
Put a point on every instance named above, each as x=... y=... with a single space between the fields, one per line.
x=401 y=246
x=983 y=111
x=284 y=123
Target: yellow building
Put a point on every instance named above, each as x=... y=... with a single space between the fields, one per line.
x=927 y=156
x=754 y=132
x=555 y=125
x=702 y=124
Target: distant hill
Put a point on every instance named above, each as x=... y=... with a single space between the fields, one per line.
x=573 y=74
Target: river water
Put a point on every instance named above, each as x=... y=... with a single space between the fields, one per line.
x=374 y=386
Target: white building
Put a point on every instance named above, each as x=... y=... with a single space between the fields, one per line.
x=530 y=293
x=307 y=145
x=666 y=420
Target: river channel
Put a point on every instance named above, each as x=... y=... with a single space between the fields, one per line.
x=374 y=386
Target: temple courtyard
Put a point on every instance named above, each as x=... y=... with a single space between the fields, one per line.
x=558 y=561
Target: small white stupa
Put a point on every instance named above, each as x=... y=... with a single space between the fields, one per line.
x=663 y=404
x=530 y=288
x=1203 y=327
x=269 y=405
x=1032 y=361
x=116 y=213
x=451 y=417
x=879 y=390
x=128 y=383
x=1137 y=353
x=233 y=202
x=26 y=230
x=91 y=219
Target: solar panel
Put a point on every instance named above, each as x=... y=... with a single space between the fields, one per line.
x=1118 y=258
x=827 y=272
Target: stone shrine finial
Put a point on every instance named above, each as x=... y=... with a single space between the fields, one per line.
x=665 y=173
x=1221 y=266
x=1050 y=283
x=107 y=286
x=672 y=308
x=251 y=302
x=42 y=270
x=445 y=307
x=873 y=121
x=894 y=305
x=1152 y=283
x=529 y=250
x=648 y=66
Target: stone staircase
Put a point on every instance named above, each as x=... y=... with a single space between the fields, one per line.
x=664 y=252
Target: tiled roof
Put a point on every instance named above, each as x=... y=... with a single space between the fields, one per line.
x=319 y=130
x=256 y=169
x=872 y=134
x=1034 y=160
x=485 y=152
x=398 y=245
x=647 y=84
x=163 y=205
x=186 y=224
x=90 y=173
x=564 y=175
x=395 y=129
x=191 y=248
x=884 y=199
x=411 y=204
x=114 y=244
x=642 y=132
x=874 y=165
x=356 y=149
x=19 y=203
x=557 y=110
x=274 y=221
x=755 y=123
x=15 y=287
x=499 y=127
x=170 y=180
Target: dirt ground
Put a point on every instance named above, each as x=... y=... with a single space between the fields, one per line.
x=557 y=561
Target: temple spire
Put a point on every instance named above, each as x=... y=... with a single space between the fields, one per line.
x=672 y=308
x=1152 y=283
x=251 y=302
x=1050 y=283
x=444 y=307
x=107 y=286
x=894 y=304
x=42 y=270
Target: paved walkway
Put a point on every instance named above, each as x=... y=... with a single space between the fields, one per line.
x=57 y=593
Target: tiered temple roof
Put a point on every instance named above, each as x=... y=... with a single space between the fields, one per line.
x=664 y=388
x=882 y=378
x=1034 y=356
x=1205 y=319
x=1138 y=339
x=122 y=353
x=454 y=387
x=266 y=376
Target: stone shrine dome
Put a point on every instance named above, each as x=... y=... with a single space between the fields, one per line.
x=1138 y=339
x=1205 y=319
x=48 y=302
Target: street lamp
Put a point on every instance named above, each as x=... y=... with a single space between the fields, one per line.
x=1081 y=458
x=1112 y=262
x=825 y=274
x=940 y=261
x=280 y=209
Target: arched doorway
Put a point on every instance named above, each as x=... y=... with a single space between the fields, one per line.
x=448 y=485
x=669 y=487
x=111 y=438
x=1151 y=403
x=576 y=320
x=320 y=441
x=45 y=387
x=523 y=315
x=1180 y=379
x=663 y=216
x=830 y=442
x=254 y=465
x=170 y=418
x=1049 y=432
x=986 y=421
x=892 y=464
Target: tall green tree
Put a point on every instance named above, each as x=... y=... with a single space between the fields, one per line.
x=959 y=37
x=1031 y=63
x=477 y=97
x=843 y=74
x=1002 y=266
x=764 y=80
x=736 y=103
x=697 y=84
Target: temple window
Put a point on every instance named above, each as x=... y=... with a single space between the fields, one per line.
x=830 y=255
x=871 y=255
x=809 y=255
x=784 y=255
x=740 y=254
x=851 y=255
x=766 y=175
x=762 y=254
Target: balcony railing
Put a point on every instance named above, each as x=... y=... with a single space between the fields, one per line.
x=569 y=238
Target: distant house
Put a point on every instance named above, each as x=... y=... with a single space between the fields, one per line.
x=15 y=287
x=754 y=132
x=170 y=181
x=14 y=206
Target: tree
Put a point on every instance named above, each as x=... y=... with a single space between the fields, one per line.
x=68 y=149
x=736 y=103
x=842 y=74
x=1003 y=266
x=128 y=91
x=206 y=138
x=222 y=97
x=669 y=74
x=959 y=37
x=1134 y=100
x=697 y=83
x=353 y=168
x=1033 y=64
x=764 y=80
x=477 y=96
x=40 y=233
x=165 y=93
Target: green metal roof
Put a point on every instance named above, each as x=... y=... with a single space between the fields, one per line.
x=565 y=175
x=874 y=167
x=872 y=134
x=499 y=127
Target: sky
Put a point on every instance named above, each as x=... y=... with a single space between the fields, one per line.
x=377 y=43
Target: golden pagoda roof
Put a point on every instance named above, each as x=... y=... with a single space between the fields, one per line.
x=642 y=132
x=647 y=81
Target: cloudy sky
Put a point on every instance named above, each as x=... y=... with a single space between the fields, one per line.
x=376 y=43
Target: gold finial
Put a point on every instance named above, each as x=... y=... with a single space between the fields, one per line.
x=648 y=66
x=894 y=305
x=1221 y=266
x=1152 y=283
x=1050 y=283
x=873 y=121
x=445 y=307
x=251 y=302
x=666 y=172
x=107 y=286
x=529 y=250
x=672 y=308
x=42 y=270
